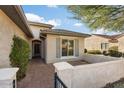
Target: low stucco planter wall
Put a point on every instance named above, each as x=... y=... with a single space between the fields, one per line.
x=90 y=75
x=98 y=58
x=7 y=75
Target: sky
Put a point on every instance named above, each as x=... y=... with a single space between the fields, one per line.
x=58 y=16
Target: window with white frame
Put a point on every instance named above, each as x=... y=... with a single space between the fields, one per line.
x=104 y=46
x=67 y=47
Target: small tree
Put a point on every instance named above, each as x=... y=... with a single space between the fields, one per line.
x=19 y=56
x=107 y=17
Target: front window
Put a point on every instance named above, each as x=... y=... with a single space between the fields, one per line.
x=67 y=47
x=104 y=45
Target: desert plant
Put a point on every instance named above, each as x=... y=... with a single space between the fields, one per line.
x=94 y=52
x=19 y=56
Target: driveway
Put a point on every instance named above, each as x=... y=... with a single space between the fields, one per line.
x=39 y=75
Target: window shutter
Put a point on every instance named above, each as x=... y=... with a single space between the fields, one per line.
x=58 y=48
x=76 y=47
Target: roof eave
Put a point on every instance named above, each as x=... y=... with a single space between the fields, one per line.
x=19 y=18
x=64 y=34
x=40 y=24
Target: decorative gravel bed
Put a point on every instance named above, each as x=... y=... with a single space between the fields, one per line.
x=79 y=62
x=117 y=84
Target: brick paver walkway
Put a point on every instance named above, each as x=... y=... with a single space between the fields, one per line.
x=39 y=75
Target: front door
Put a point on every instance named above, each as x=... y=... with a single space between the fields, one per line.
x=36 y=49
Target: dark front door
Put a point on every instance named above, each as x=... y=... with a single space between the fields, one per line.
x=37 y=50
x=36 y=47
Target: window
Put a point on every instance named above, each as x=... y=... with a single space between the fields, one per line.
x=104 y=45
x=67 y=47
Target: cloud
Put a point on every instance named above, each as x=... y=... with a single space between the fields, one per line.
x=52 y=6
x=99 y=31
x=105 y=32
x=78 y=24
x=36 y=18
x=54 y=22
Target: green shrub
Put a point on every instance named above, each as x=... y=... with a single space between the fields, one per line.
x=94 y=52
x=105 y=53
x=85 y=50
x=113 y=51
x=19 y=56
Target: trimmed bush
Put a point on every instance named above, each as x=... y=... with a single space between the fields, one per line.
x=113 y=51
x=105 y=53
x=19 y=56
x=94 y=52
x=85 y=50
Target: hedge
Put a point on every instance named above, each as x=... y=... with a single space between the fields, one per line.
x=19 y=56
x=94 y=52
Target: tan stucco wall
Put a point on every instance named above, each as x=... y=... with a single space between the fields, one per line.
x=36 y=31
x=94 y=42
x=91 y=75
x=7 y=30
x=121 y=44
x=113 y=44
x=51 y=48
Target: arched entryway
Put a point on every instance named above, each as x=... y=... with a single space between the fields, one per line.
x=36 y=49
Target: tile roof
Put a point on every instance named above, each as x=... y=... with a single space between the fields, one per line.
x=112 y=38
x=64 y=32
x=104 y=36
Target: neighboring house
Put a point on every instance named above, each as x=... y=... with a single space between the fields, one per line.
x=120 y=39
x=104 y=42
x=52 y=45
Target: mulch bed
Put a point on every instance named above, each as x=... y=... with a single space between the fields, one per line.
x=79 y=62
x=116 y=84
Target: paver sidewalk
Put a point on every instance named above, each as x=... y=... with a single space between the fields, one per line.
x=39 y=75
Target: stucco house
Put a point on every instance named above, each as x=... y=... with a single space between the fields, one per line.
x=55 y=45
x=104 y=42
x=12 y=22
x=52 y=45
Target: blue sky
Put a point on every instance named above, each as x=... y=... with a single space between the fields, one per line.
x=58 y=16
